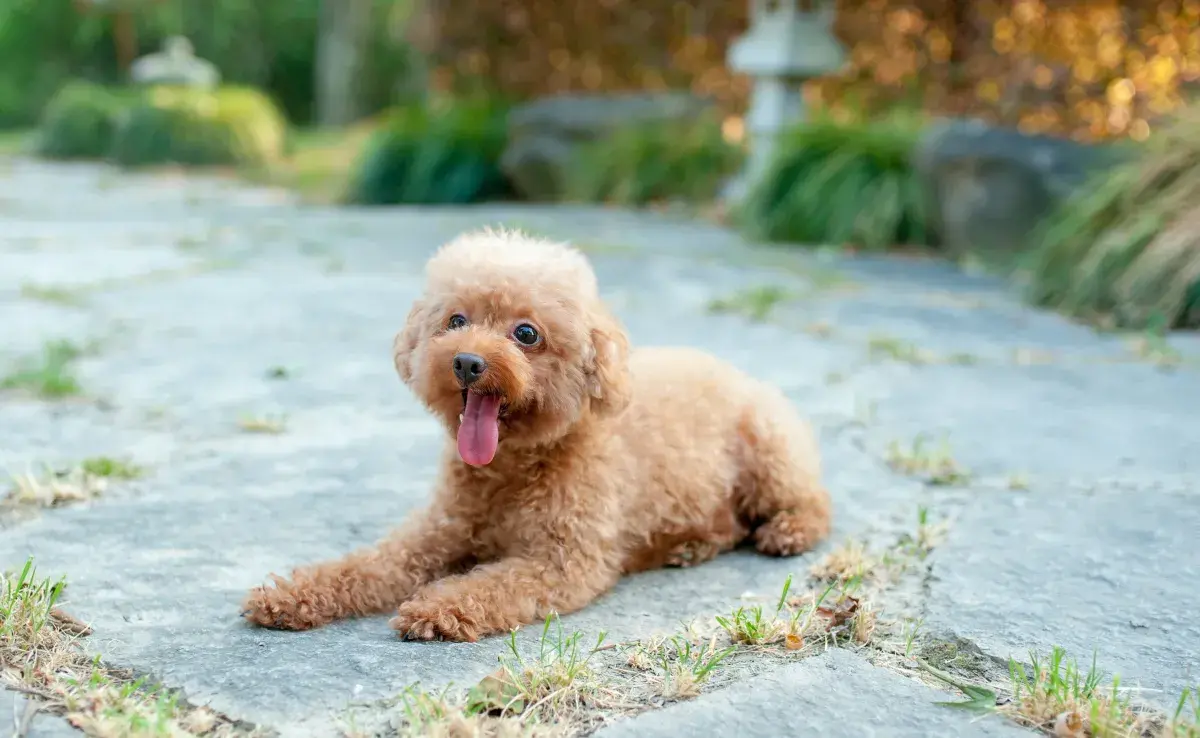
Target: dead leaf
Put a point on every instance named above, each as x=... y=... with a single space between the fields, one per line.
x=793 y=642
x=841 y=612
x=70 y=624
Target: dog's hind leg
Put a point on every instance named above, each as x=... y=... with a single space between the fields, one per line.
x=779 y=492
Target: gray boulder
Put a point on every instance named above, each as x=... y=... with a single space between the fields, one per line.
x=544 y=135
x=988 y=186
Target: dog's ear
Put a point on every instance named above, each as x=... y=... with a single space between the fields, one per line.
x=405 y=343
x=609 y=382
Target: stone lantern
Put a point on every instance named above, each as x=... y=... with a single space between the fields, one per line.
x=176 y=64
x=784 y=47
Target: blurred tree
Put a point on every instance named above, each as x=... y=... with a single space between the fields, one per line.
x=1093 y=69
x=122 y=15
x=342 y=42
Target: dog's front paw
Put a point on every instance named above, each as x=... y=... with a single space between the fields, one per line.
x=692 y=553
x=286 y=606
x=431 y=619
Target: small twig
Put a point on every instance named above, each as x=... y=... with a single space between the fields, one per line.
x=23 y=719
x=32 y=691
x=617 y=644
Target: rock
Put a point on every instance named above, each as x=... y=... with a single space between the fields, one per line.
x=834 y=694
x=29 y=720
x=176 y=64
x=1004 y=579
x=987 y=186
x=543 y=135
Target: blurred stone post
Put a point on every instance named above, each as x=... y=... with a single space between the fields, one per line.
x=784 y=47
x=176 y=64
x=345 y=26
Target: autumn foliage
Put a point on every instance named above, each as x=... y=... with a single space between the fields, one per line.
x=1100 y=69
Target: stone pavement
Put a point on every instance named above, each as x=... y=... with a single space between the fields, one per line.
x=190 y=292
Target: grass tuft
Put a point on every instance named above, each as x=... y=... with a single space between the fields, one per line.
x=40 y=655
x=842 y=183
x=551 y=692
x=895 y=349
x=57 y=487
x=925 y=538
x=1185 y=722
x=110 y=468
x=884 y=348
x=827 y=616
x=444 y=153
x=26 y=603
x=686 y=666
x=1056 y=696
x=936 y=465
x=49 y=375
x=756 y=303
x=552 y=683
x=267 y=424
x=1153 y=348
x=52 y=295
x=847 y=561
x=654 y=162
x=1123 y=251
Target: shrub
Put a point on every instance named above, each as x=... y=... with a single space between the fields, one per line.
x=1125 y=251
x=653 y=162
x=79 y=122
x=841 y=183
x=448 y=153
x=230 y=126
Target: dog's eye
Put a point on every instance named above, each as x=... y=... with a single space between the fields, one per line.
x=456 y=321
x=526 y=334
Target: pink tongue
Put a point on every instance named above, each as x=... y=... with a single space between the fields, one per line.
x=480 y=430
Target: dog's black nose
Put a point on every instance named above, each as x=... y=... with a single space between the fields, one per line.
x=469 y=368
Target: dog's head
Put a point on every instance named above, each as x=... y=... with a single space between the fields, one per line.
x=510 y=343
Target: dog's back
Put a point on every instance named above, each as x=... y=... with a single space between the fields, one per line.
x=711 y=445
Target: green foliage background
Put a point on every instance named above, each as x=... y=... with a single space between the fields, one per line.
x=842 y=183
x=1124 y=252
x=448 y=152
x=267 y=44
x=655 y=161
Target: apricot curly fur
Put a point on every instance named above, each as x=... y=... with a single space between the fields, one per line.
x=610 y=461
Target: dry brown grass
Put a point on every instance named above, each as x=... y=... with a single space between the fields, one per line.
x=556 y=691
x=56 y=487
x=932 y=462
x=848 y=560
x=41 y=656
x=266 y=424
x=1056 y=697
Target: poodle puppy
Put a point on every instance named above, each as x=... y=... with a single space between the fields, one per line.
x=569 y=461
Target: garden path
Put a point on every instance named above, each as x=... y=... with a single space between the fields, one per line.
x=203 y=302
